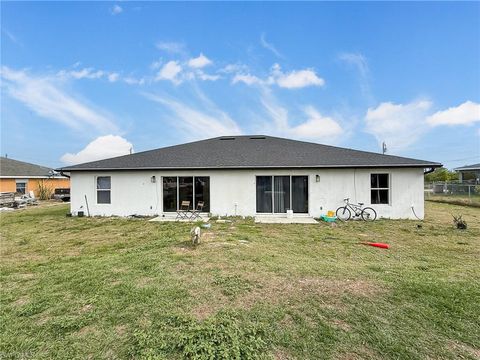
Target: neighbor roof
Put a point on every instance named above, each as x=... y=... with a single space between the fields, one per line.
x=254 y=151
x=468 y=167
x=15 y=168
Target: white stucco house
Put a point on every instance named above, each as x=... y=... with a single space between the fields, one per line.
x=249 y=175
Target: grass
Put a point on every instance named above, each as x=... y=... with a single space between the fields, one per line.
x=462 y=200
x=118 y=288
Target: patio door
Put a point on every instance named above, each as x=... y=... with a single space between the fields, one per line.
x=277 y=194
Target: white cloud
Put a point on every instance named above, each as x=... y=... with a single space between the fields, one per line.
x=103 y=147
x=359 y=61
x=130 y=80
x=197 y=123
x=112 y=77
x=295 y=79
x=199 y=62
x=116 y=9
x=464 y=114
x=171 y=47
x=234 y=68
x=399 y=125
x=206 y=77
x=156 y=64
x=269 y=46
x=170 y=71
x=86 y=73
x=45 y=96
x=247 y=79
x=315 y=127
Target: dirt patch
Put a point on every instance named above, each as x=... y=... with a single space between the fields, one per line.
x=21 y=301
x=86 y=308
x=281 y=354
x=87 y=330
x=342 y=325
x=458 y=346
x=143 y=282
x=120 y=330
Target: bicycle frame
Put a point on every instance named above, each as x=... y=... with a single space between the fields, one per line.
x=356 y=209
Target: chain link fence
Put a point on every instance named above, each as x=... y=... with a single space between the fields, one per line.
x=460 y=193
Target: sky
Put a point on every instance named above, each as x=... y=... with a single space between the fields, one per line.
x=89 y=80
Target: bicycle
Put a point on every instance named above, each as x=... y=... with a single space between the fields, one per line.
x=344 y=213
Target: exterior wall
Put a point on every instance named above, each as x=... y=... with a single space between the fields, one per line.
x=233 y=192
x=9 y=185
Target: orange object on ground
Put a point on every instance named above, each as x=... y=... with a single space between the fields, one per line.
x=380 y=245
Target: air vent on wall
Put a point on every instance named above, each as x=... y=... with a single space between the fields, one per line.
x=258 y=138
x=227 y=138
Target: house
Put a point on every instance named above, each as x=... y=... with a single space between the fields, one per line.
x=249 y=175
x=21 y=177
x=469 y=173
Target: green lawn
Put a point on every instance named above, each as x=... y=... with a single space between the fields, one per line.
x=118 y=288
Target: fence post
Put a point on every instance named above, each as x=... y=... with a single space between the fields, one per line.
x=469 y=191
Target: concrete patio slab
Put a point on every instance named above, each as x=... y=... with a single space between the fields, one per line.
x=284 y=220
x=174 y=219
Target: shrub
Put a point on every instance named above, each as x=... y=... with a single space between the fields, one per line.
x=45 y=191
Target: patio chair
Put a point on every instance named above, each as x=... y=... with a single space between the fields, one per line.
x=196 y=212
x=184 y=212
x=29 y=198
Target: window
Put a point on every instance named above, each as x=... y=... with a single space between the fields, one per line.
x=21 y=186
x=380 y=188
x=186 y=188
x=103 y=189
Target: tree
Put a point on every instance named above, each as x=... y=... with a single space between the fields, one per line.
x=441 y=174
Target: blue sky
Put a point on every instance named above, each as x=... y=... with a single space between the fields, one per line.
x=81 y=81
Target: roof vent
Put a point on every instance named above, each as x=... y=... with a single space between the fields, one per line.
x=258 y=138
x=227 y=138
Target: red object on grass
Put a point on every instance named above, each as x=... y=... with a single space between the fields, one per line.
x=380 y=245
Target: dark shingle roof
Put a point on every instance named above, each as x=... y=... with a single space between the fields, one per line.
x=254 y=151
x=10 y=167
x=469 y=167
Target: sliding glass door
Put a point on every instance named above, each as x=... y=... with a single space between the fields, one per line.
x=281 y=193
x=194 y=189
x=169 y=194
x=264 y=194
x=277 y=194
x=300 y=194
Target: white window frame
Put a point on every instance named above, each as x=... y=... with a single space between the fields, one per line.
x=388 y=188
x=21 y=181
x=97 y=190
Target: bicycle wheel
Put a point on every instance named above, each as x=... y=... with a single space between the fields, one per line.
x=343 y=213
x=368 y=214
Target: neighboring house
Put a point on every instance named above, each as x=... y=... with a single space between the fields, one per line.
x=249 y=175
x=469 y=173
x=21 y=177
